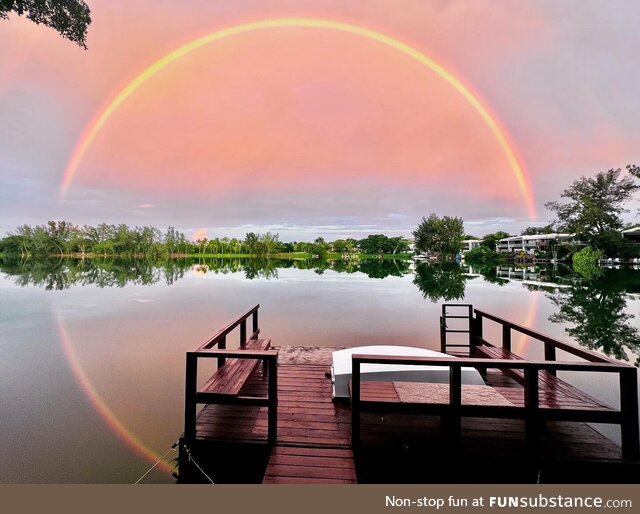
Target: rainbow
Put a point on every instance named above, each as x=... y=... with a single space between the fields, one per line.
x=112 y=421
x=100 y=119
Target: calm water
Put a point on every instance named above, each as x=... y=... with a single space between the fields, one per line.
x=91 y=374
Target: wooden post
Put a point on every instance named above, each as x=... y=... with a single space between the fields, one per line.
x=478 y=330
x=443 y=334
x=222 y=345
x=190 y=396
x=629 y=408
x=471 y=329
x=550 y=355
x=355 y=404
x=255 y=321
x=531 y=405
x=506 y=337
x=272 y=364
x=243 y=332
x=455 y=401
x=455 y=384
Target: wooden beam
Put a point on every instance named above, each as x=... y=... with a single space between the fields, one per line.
x=629 y=409
x=603 y=367
x=355 y=404
x=213 y=340
x=531 y=405
x=191 y=384
x=567 y=347
x=272 y=368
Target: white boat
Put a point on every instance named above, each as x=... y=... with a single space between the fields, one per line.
x=341 y=368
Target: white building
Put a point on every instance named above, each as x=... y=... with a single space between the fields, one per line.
x=632 y=235
x=529 y=244
x=470 y=244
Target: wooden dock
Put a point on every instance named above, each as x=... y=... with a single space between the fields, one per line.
x=290 y=430
x=313 y=443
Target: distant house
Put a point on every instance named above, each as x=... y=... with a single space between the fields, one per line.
x=631 y=235
x=529 y=244
x=470 y=244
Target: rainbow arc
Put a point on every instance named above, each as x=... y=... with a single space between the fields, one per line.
x=102 y=117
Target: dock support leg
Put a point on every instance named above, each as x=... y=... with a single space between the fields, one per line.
x=455 y=402
x=273 y=400
x=190 y=397
x=629 y=407
x=531 y=404
x=355 y=405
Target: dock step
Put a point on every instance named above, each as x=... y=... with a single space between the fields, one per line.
x=304 y=465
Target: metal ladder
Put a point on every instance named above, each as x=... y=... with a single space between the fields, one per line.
x=444 y=329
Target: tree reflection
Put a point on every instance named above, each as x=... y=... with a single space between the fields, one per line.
x=382 y=268
x=596 y=311
x=58 y=274
x=440 y=281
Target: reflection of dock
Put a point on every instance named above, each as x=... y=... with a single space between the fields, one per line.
x=528 y=276
x=282 y=426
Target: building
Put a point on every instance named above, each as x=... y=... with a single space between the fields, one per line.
x=470 y=244
x=631 y=235
x=529 y=244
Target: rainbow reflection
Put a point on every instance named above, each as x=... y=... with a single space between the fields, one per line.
x=112 y=421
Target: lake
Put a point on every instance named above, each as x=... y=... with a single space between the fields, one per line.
x=92 y=368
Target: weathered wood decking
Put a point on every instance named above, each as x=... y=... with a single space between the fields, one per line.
x=314 y=439
x=313 y=444
x=276 y=422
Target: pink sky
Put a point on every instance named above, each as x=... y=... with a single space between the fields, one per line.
x=315 y=131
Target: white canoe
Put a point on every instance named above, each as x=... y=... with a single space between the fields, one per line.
x=341 y=368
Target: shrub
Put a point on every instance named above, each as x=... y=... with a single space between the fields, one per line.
x=586 y=262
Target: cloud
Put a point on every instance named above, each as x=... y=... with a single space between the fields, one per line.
x=330 y=135
x=199 y=233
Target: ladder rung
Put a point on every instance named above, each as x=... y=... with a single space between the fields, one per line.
x=458 y=345
x=458 y=331
x=460 y=317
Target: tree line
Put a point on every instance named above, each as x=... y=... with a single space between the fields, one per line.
x=591 y=209
x=61 y=238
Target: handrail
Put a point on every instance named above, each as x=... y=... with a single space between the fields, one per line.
x=236 y=354
x=206 y=351
x=550 y=342
x=239 y=320
x=459 y=362
x=626 y=416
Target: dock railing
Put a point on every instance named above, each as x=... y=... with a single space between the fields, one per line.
x=206 y=350
x=478 y=345
x=533 y=413
x=550 y=343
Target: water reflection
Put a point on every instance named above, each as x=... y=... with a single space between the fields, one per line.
x=594 y=312
x=440 y=280
x=62 y=274
x=141 y=332
x=56 y=274
x=595 y=309
x=489 y=273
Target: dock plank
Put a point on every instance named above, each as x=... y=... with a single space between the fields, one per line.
x=312 y=465
x=314 y=435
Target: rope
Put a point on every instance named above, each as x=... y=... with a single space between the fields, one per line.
x=172 y=449
x=191 y=459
